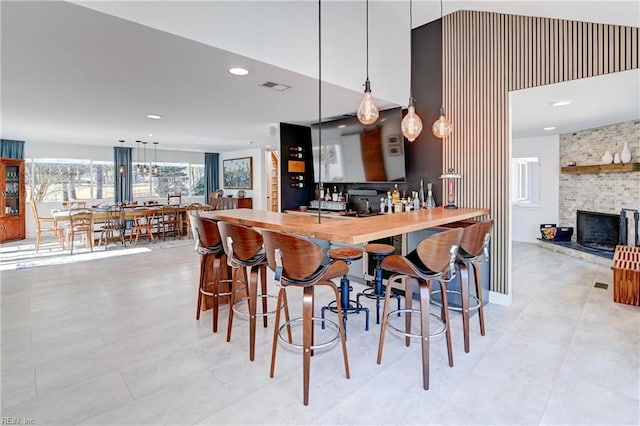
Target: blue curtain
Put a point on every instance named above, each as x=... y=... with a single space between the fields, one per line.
x=11 y=149
x=211 y=173
x=123 y=183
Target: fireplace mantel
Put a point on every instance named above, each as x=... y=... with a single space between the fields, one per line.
x=602 y=168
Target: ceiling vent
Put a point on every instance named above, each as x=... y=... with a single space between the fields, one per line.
x=276 y=86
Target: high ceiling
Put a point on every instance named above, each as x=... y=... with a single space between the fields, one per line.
x=90 y=72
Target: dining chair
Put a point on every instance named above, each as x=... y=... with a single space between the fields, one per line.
x=46 y=225
x=114 y=223
x=80 y=223
x=174 y=199
x=169 y=222
x=143 y=223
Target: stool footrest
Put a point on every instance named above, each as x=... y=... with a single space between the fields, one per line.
x=439 y=331
x=295 y=321
x=453 y=306
x=258 y=314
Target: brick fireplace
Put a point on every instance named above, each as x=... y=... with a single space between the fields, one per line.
x=603 y=193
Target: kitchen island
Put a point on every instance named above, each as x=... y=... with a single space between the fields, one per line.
x=344 y=229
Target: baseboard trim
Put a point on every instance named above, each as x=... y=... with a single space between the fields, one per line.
x=500 y=298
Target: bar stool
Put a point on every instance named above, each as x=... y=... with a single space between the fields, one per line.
x=297 y=261
x=244 y=249
x=379 y=252
x=433 y=259
x=474 y=250
x=209 y=246
x=348 y=306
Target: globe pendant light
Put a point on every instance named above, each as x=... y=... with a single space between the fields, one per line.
x=442 y=127
x=411 y=124
x=155 y=170
x=145 y=168
x=368 y=111
x=122 y=168
x=139 y=166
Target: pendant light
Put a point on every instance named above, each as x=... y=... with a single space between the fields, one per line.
x=368 y=111
x=411 y=124
x=145 y=168
x=139 y=166
x=155 y=170
x=442 y=127
x=122 y=168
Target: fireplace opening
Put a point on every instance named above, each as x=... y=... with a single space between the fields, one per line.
x=599 y=230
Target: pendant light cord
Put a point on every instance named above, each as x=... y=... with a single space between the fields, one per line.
x=367 y=31
x=410 y=51
x=319 y=106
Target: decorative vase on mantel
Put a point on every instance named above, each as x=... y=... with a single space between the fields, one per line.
x=625 y=155
x=607 y=158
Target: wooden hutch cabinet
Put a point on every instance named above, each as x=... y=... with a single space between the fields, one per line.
x=12 y=200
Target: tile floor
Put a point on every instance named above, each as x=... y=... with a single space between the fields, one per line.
x=115 y=342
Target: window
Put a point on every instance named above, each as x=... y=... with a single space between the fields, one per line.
x=525 y=181
x=60 y=179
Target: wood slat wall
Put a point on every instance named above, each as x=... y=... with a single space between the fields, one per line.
x=486 y=55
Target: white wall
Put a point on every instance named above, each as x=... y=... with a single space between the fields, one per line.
x=105 y=153
x=525 y=225
x=260 y=180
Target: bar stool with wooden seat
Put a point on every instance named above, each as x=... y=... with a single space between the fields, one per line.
x=297 y=262
x=209 y=246
x=474 y=250
x=375 y=292
x=433 y=259
x=349 y=255
x=244 y=249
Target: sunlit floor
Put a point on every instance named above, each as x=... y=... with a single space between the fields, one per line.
x=115 y=341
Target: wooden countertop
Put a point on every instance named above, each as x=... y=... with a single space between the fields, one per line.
x=354 y=231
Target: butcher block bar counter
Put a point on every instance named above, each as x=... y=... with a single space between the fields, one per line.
x=347 y=230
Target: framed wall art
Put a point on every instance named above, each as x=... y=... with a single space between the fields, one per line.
x=237 y=173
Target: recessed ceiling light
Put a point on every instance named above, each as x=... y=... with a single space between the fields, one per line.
x=561 y=103
x=342 y=126
x=154 y=116
x=238 y=71
x=150 y=135
x=550 y=128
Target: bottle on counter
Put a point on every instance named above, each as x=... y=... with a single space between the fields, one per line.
x=431 y=202
x=334 y=194
x=389 y=203
x=421 y=195
x=395 y=195
x=416 y=201
x=327 y=195
x=382 y=205
x=321 y=192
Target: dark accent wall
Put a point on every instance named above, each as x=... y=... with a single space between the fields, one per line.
x=424 y=155
x=292 y=135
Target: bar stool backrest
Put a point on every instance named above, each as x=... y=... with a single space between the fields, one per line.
x=207 y=233
x=476 y=237
x=301 y=257
x=247 y=242
x=435 y=251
